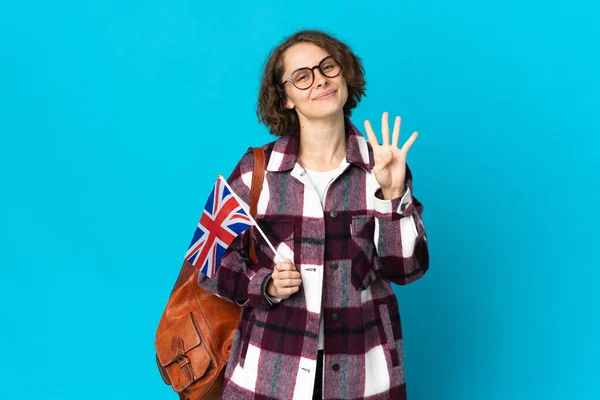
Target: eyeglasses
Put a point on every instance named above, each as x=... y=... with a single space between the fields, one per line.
x=303 y=78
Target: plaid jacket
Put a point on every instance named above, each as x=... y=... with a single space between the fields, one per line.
x=348 y=252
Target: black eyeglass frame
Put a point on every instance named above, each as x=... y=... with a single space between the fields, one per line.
x=312 y=71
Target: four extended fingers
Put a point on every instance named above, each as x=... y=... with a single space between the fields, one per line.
x=385 y=133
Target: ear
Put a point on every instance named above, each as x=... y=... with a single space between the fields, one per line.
x=289 y=104
x=282 y=94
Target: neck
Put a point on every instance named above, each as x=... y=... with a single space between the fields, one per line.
x=322 y=143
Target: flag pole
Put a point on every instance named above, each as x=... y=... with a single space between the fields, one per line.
x=278 y=257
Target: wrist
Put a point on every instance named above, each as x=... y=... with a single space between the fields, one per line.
x=389 y=194
x=271 y=288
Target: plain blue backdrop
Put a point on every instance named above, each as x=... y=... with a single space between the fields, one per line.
x=116 y=118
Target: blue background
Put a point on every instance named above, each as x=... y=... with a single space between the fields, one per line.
x=116 y=117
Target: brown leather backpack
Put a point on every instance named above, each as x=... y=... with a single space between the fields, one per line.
x=196 y=329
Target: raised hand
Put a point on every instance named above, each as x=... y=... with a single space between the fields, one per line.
x=390 y=161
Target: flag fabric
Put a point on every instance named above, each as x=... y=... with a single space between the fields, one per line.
x=222 y=220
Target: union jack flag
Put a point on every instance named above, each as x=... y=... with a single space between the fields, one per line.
x=222 y=220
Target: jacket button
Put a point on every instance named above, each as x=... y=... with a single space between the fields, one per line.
x=333 y=214
x=335 y=316
x=335 y=367
x=333 y=266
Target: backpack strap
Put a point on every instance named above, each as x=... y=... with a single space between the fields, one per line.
x=258 y=175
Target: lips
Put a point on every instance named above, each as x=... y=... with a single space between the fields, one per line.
x=326 y=94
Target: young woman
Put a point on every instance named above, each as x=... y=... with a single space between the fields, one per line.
x=323 y=323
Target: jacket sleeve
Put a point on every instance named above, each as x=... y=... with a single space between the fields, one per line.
x=400 y=236
x=238 y=280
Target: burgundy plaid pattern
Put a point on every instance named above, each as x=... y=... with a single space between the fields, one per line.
x=348 y=253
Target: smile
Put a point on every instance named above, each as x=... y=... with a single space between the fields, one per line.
x=326 y=95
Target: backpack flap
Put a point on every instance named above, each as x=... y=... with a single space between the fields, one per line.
x=181 y=353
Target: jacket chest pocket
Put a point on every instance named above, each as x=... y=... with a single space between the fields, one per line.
x=363 y=252
x=281 y=235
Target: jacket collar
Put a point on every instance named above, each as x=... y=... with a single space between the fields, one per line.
x=285 y=151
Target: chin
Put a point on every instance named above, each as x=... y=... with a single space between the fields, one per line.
x=327 y=110
x=324 y=113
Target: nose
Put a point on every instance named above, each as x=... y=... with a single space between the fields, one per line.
x=320 y=79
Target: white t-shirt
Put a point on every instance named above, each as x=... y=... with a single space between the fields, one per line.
x=320 y=180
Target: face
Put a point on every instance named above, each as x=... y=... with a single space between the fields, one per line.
x=325 y=97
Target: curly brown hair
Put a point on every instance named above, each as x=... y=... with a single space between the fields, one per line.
x=271 y=109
